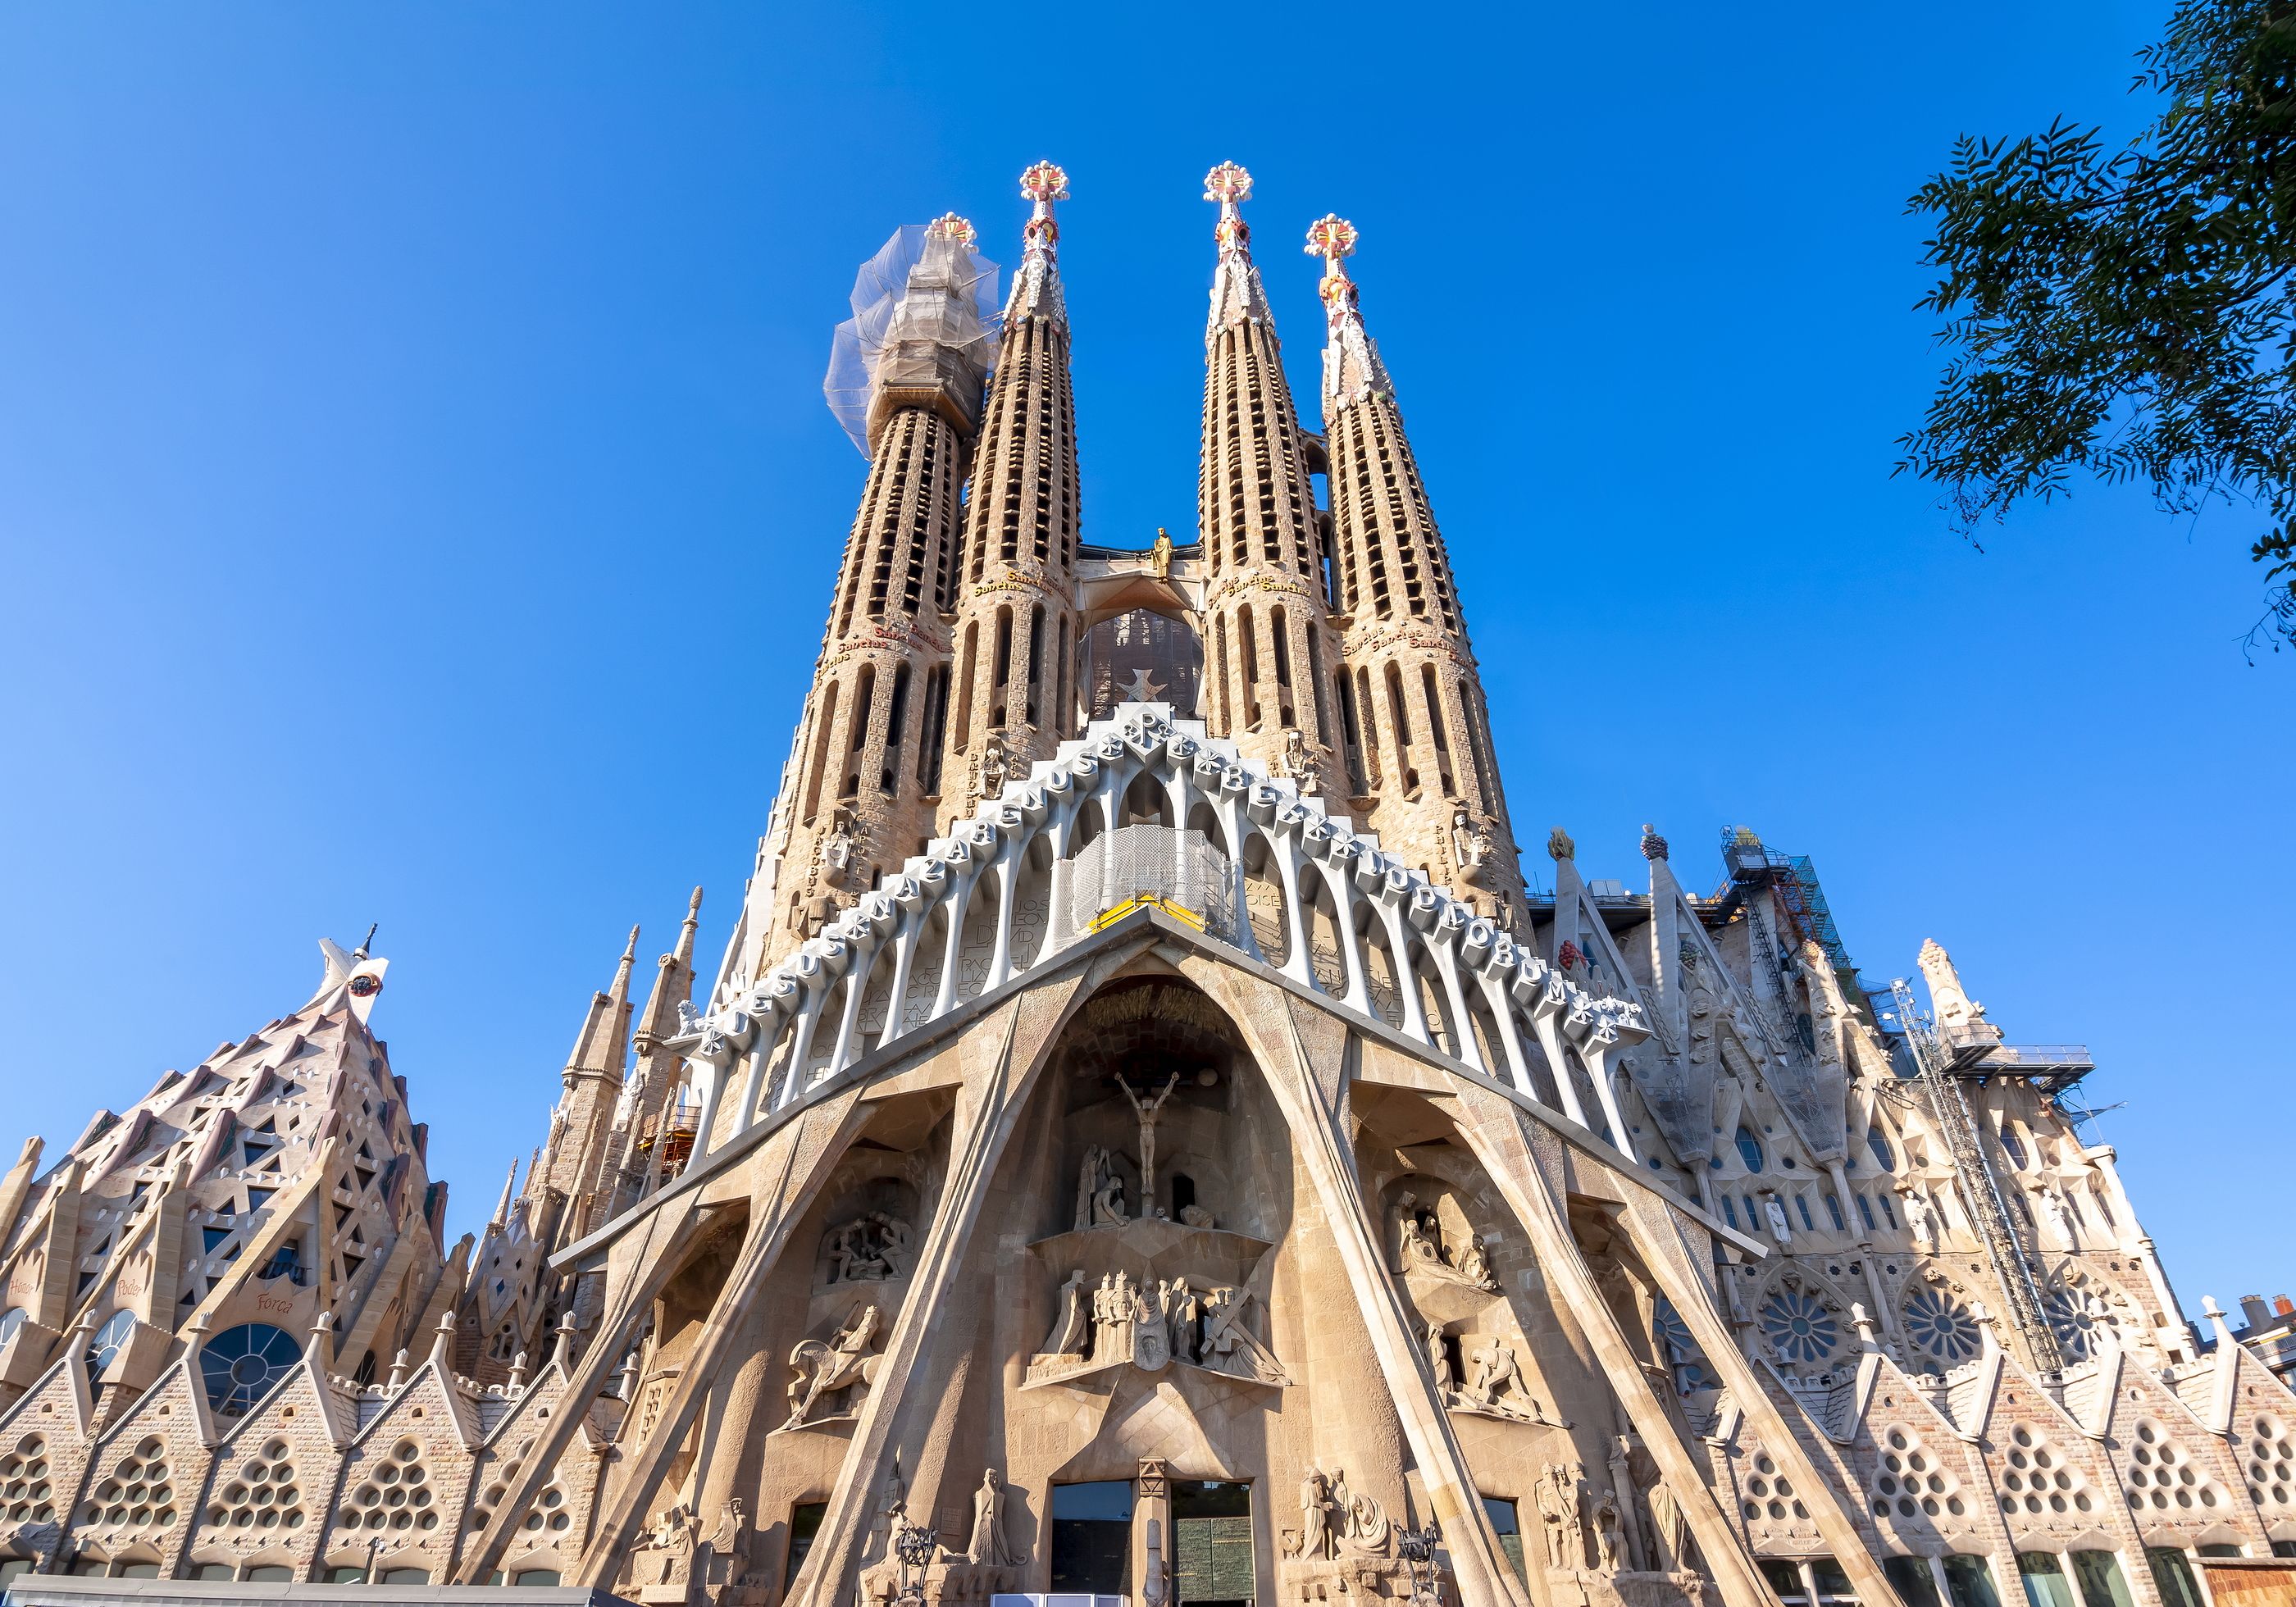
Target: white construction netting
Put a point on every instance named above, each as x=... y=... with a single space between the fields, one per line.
x=959 y=310
x=1153 y=862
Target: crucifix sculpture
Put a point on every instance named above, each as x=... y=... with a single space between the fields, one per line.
x=1147 y=1110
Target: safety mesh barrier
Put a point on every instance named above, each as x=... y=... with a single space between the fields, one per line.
x=1180 y=871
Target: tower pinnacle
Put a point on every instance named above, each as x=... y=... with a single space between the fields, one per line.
x=1236 y=293
x=1036 y=287
x=1351 y=366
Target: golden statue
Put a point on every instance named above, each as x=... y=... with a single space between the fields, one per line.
x=1160 y=555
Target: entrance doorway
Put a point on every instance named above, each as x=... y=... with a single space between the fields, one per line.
x=1211 y=1543
x=1092 y=1538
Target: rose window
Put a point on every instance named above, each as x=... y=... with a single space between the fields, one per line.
x=1800 y=1327
x=1942 y=1325
x=2078 y=1320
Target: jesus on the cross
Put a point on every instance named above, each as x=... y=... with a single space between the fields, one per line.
x=1147 y=1110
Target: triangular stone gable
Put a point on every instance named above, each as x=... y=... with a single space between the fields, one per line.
x=406 y=1478
x=1922 y=1482
x=2056 y=1487
x=143 y=1474
x=2180 y=1480
x=273 y=1483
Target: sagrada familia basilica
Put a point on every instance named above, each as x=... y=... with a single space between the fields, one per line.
x=1147 y=1138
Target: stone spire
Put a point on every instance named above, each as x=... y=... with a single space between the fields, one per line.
x=652 y=1085
x=580 y=1144
x=1269 y=651
x=1413 y=728
x=865 y=763
x=1013 y=644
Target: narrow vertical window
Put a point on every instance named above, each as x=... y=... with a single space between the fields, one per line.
x=1036 y=663
x=1438 y=730
x=1219 y=642
x=1280 y=643
x=1001 y=667
x=964 y=675
x=1366 y=710
x=935 y=732
x=1399 y=719
x=897 y=718
x=856 y=722
x=825 y=733
x=1315 y=684
x=1248 y=645
x=1350 y=739
x=1061 y=687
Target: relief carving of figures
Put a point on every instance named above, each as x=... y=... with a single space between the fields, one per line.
x=1357 y=1517
x=820 y=1367
x=1184 y=1313
x=1148 y=1110
x=729 y=1547
x=1560 y=1505
x=839 y=847
x=665 y=1556
x=1420 y=1247
x=869 y=1249
x=1317 y=1538
x=1196 y=1215
x=990 y=1547
x=1498 y=1387
x=1229 y=1345
x=1100 y=1191
x=1115 y=1307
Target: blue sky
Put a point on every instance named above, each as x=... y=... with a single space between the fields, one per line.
x=417 y=503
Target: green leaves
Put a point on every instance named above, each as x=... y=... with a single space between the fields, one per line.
x=2129 y=312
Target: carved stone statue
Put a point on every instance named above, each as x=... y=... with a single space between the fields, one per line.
x=1553 y=1516
x=1438 y=1363
x=1317 y=1539
x=1776 y=1212
x=1100 y=1191
x=1569 y=1484
x=1670 y=1530
x=819 y=1367
x=1921 y=1216
x=1148 y=1110
x=729 y=1546
x=1196 y=1215
x=667 y=1556
x=995 y=768
x=1296 y=767
x=1357 y=1518
x=2059 y=1218
x=1498 y=1384
x=1229 y=1345
x=1182 y=1315
x=1606 y=1532
x=1073 y=1328
x=1471 y=848
x=1419 y=1246
x=989 y=1547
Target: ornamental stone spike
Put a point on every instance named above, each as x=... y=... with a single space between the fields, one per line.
x=1037 y=286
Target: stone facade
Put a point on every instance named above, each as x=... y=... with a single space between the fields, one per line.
x=1180 y=1160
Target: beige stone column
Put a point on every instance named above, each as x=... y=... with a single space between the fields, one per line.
x=785 y=1173
x=1303 y=1052
x=1494 y=1131
x=1665 y=1254
x=999 y=1057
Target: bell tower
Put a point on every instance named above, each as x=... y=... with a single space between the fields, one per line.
x=1270 y=651
x=1415 y=733
x=1013 y=645
x=866 y=767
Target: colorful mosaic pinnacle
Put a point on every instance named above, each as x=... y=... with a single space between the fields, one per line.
x=948 y=226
